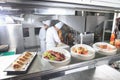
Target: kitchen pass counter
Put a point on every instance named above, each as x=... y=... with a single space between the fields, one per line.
x=103 y=72
x=5 y=61
x=36 y=66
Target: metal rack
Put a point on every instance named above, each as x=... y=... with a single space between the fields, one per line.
x=106 y=30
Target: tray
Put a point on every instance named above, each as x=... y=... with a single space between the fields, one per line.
x=10 y=70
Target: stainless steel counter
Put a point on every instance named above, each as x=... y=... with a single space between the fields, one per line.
x=40 y=68
x=103 y=72
x=37 y=66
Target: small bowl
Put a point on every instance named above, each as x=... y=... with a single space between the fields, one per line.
x=104 y=51
x=88 y=56
x=59 y=63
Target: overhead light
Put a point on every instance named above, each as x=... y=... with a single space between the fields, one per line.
x=54 y=11
x=9 y=8
x=97 y=14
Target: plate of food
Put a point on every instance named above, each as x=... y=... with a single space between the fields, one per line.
x=105 y=48
x=21 y=64
x=57 y=56
x=82 y=52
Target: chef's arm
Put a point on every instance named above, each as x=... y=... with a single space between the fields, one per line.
x=57 y=39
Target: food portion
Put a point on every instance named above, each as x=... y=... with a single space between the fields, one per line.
x=17 y=66
x=105 y=47
x=117 y=43
x=22 y=60
x=28 y=54
x=80 y=50
x=54 y=56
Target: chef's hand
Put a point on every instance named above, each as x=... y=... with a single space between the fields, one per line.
x=60 y=44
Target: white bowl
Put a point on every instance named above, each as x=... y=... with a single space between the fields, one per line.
x=90 y=55
x=104 y=51
x=59 y=63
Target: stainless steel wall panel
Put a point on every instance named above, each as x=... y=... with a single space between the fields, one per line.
x=76 y=22
x=93 y=22
x=4 y=35
x=11 y=34
x=15 y=36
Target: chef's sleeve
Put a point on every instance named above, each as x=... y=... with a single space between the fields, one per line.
x=56 y=37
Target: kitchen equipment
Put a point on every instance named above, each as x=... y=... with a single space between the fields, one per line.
x=87 y=38
x=4 y=48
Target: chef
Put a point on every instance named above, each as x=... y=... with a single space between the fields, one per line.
x=52 y=38
x=42 y=35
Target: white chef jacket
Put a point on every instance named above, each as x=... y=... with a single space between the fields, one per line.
x=42 y=37
x=52 y=38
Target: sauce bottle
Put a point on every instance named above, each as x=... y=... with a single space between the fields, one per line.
x=112 y=38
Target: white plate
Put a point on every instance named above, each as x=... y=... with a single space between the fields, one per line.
x=59 y=63
x=90 y=55
x=104 y=51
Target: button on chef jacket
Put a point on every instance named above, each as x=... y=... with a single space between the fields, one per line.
x=52 y=38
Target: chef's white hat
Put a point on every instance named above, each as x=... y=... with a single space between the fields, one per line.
x=47 y=22
x=59 y=25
